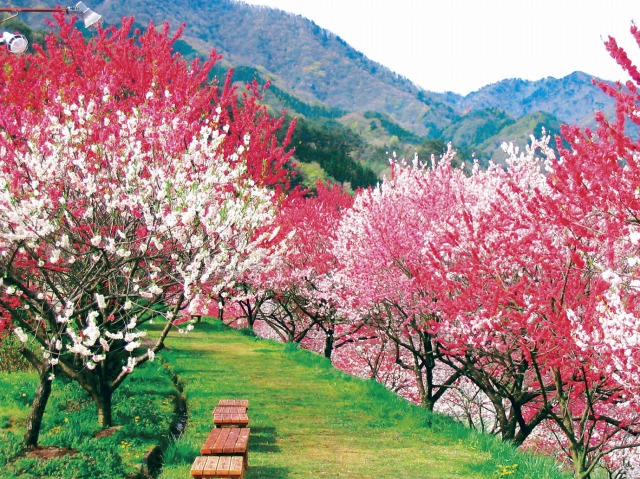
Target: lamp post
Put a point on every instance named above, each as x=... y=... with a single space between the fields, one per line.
x=17 y=43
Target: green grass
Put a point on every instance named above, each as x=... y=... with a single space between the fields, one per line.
x=309 y=420
x=143 y=409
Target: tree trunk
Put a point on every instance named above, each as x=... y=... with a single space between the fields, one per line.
x=103 y=402
x=221 y=304
x=102 y=392
x=34 y=421
x=578 y=458
x=328 y=344
x=424 y=392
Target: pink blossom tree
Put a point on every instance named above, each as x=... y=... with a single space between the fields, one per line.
x=489 y=241
x=299 y=290
x=381 y=250
x=424 y=260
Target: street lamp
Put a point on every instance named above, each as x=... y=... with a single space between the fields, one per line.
x=17 y=43
x=89 y=17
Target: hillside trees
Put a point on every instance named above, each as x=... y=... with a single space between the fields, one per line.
x=332 y=146
x=521 y=282
x=421 y=255
x=380 y=248
x=477 y=266
x=300 y=288
x=132 y=190
x=596 y=182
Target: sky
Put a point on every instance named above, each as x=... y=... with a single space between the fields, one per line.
x=463 y=45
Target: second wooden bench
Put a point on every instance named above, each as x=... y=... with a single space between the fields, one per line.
x=230 y=416
x=232 y=441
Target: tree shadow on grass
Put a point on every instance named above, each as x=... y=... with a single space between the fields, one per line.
x=263 y=439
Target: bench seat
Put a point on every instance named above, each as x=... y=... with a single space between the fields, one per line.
x=229 y=410
x=234 y=403
x=227 y=441
x=209 y=467
x=230 y=417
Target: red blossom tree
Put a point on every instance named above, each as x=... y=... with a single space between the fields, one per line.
x=596 y=410
x=299 y=292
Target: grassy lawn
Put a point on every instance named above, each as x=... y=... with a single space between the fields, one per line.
x=71 y=439
x=309 y=420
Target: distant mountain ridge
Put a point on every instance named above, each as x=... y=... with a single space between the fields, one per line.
x=574 y=98
x=315 y=72
x=309 y=61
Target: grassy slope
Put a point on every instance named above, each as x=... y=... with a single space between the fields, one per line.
x=309 y=420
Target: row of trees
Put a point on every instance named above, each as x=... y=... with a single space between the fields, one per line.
x=133 y=189
x=508 y=296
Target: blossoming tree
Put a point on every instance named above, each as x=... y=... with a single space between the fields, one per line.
x=132 y=190
x=596 y=410
x=380 y=247
x=301 y=288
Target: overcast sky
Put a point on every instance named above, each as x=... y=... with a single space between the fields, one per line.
x=463 y=45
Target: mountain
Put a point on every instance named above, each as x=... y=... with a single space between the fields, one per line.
x=317 y=75
x=308 y=61
x=574 y=98
x=517 y=133
x=477 y=126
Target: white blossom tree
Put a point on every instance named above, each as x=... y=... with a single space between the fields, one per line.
x=120 y=207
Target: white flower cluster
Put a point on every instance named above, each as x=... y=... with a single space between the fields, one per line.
x=194 y=217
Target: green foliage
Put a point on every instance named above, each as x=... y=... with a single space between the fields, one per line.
x=475 y=127
x=333 y=148
x=9 y=447
x=17 y=389
x=518 y=133
x=310 y=173
x=431 y=146
x=181 y=451
x=248 y=332
x=437 y=148
x=184 y=49
x=10 y=357
x=391 y=127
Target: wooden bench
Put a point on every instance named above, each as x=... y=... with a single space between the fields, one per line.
x=209 y=467
x=227 y=441
x=230 y=416
x=234 y=403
